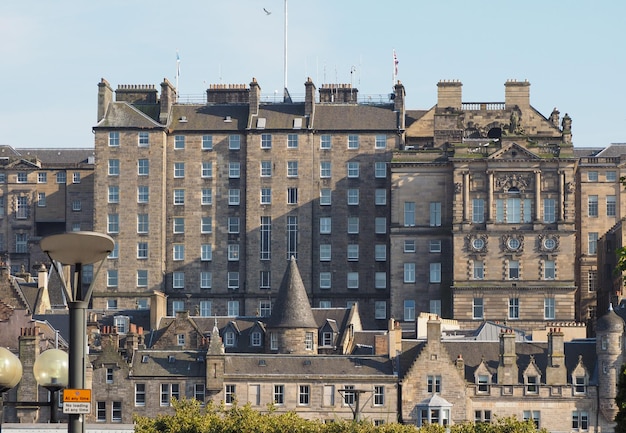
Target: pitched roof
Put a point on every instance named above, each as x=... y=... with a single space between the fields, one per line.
x=351 y=117
x=122 y=114
x=58 y=156
x=292 y=308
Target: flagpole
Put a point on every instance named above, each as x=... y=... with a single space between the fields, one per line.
x=177 y=73
x=285 y=55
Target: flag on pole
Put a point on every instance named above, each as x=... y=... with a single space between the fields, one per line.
x=177 y=64
x=395 y=63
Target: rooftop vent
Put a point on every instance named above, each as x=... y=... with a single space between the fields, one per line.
x=183 y=119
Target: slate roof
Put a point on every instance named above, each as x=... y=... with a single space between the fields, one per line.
x=58 y=156
x=613 y=150
x=314 y=366
x=292 y=308
x=351 y=117
x=209 y=117
x=474 y=351
x=610 y=322
x=167 y=363
x=280 y=116
x=123 y=114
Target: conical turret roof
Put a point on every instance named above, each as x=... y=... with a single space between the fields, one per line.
x=292 y=308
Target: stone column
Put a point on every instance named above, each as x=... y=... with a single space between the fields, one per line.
x=537 y=195
x=466 y=196
x=490 y=196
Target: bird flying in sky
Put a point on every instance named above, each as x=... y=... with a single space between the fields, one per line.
x=266 y=11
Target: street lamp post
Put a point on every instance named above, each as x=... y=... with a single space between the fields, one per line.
x=51 y=370
x=10 y=375
x=77 y=249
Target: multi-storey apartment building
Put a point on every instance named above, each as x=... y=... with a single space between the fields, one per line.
x=207 y=202
x=42 y=191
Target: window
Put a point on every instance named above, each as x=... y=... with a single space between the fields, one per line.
x=41 y=199
x=199 y=392
x=178 y=280
x=380 y=169
x=477 y=308
x=292 y=195
x=233 y=224
x=177 y=306
x=592 y=243
x=409 y=213
x=478 y=210
x=234 y=170
x=109 y=375
x=143 y=194
x=112 y=278
x=255 y=339
x=116 y=411
x=42 y=177
x=580 y=385
x=592 y=281
x=349 y=396
x=21 y=204
x=279 y=394
x=513 y=308
x=143 y=167
x=325 y=169
x=353 y=225
x=325 y=142
x=179 y=225
x=308 y=341
x=292 y=141
x=179 y=142
x=61 y=177
x=206 y=225
x=409 y=246
x=234 y=142
x=21 y=178
x=435 y=273
x=380 y=252
x=380 y=225
x=207 y=142
x=207 y=196
x=533 y=415
x=380 y=280
x=233 y=197
x=76 y=177
x=206 y=279
x=353 y=252
x=580 y=420
x=592 y=176
x=266 y=168
x=292 y=168
x=142 y=278
x=433 y=384
x=113 y=223
x=114 y=169
x=409 y=272
x=610 y=206
x=206 y=252
x=266 y=238
x=325 y=253
x=548 y=309
x=265 y=308
x=207 y=169
x=115 y=253
x=482 y=380
x=304 y=395
x=229 y=339
x=266 y=195
x=353 y=169
x=353 y=280
x=233 y=283
x=325 y=197
x=114 y=138
x=353 y=197
x=233 y=252
x=325 y=225
x=513 y=270
x=292 y=237
x=233 y=307
x=143 y=139
x=206 y=308
x=101 y=411
x=179 y=197
x=381 y=142
x=266 y=141
x=142 y=250
x=592 y=206
x=479 y=270
x=611 y=176
x=21 y=242
x=435 y=214
x=380 y=197
x=325 y=280
x=409 y=310
x=111 y=304
x=142 y=223
x=549 y=210
x=273 y=341
x=353 y=141
x=179 y=252
x=229 y=394
x=114 y=194
x=76 y=227
x=549 y=270
x=380 y=310
x=325 y=304
x=179 y=169
x=140 y=394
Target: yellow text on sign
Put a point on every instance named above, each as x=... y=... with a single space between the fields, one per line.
x=76 y=396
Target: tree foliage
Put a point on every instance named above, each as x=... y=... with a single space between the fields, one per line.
x=191 y=417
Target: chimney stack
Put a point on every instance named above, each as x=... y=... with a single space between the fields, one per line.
x=449 y=94
x=516 y=93
x=105 y=97
x=556 y=373
x=507 y=369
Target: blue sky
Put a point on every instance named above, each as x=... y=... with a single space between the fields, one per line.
x=55 y=52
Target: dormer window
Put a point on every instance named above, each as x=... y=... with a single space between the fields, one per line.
x=327 y=338
x=229 y=339
x=255 y=339
x=532 y=384
x=180 y=339
x=482 y=380
x=580 y=385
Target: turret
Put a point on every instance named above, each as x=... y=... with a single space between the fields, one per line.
x=609 y=339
